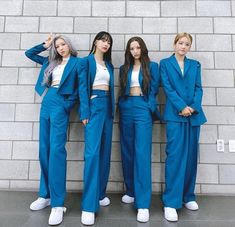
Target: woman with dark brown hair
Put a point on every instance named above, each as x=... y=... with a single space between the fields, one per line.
x=139 y=83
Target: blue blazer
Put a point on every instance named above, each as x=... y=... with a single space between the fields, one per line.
x=150 y=97
x=69 y=81
x=182 y=90
x=87 y=77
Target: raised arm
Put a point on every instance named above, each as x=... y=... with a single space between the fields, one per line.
x=33 y=53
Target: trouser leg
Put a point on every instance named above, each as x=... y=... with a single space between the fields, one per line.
x=58 y=154
x=175 y=166
x=191 y=168
x=127 y=134
x=105 y=153
x=91 y=179
x=44 y=151
x=142 y=157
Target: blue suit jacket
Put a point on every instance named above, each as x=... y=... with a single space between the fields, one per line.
x=182 y=90
x=87 y=77
x=69 y=81
x=150 y=97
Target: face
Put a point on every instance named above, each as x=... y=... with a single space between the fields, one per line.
x=62 y=48
x=102 y=45
x=182 y=46
x=135 y=50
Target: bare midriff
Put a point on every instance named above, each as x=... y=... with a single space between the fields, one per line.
x=135 y=91
x=55 y=83
x=101 y=87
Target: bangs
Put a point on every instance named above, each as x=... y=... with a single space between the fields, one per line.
x=181 y=35
x=106 y=37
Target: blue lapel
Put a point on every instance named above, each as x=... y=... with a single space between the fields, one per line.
x=71 y=63
x=175 y=64
x=128 y=83
x=92 y=67
x=186 y=65
x=177 y=67
x=111 y=82
x=140 y=77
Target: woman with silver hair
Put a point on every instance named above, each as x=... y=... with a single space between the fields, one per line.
x=59 y=74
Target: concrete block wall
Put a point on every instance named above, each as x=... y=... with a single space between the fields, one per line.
x=24 y=23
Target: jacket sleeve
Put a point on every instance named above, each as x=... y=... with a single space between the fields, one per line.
x=84 y=109
x=170 y=92
x=33 y=53
x=197 y=99
x=154 y=86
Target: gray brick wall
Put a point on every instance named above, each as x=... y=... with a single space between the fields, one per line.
x=24 y=23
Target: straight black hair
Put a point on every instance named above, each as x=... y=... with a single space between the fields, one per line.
x=105 y=36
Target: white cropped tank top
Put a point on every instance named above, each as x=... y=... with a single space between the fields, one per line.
x=102 y=76
x=135 y=79
x=57 y=74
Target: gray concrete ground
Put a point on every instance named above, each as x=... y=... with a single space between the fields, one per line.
x=215 y=211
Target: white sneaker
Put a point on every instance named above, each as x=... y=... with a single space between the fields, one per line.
x=104 y=202
x=170 y=214
x=40 y=204
x=128 y=199
x=143 y=215
x=88 y=218
x=192 y=205
x=56 y=216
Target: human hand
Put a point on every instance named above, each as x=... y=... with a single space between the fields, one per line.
x=191 y=110
x=85 y=122
x=49 y=41
x=186 y=112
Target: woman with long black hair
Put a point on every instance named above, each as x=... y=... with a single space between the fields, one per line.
x=139 y=83
x=97 y=117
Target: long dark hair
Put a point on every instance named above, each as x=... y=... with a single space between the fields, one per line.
x=55 y=58
x=106 y=37
x=129 y=61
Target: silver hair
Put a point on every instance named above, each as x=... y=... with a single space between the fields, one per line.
x=55 y=58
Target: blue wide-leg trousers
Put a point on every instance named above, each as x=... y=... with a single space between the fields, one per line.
x=98 y=142
x=181 y=163
x=54 y=118
x=136 y=147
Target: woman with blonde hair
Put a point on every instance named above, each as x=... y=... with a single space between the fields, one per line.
x=181 y=79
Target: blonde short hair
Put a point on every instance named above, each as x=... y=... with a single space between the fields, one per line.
x=181 y=35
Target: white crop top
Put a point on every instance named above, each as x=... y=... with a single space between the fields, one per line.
x=135 y=79
x=102 y=76
x=57 y=73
